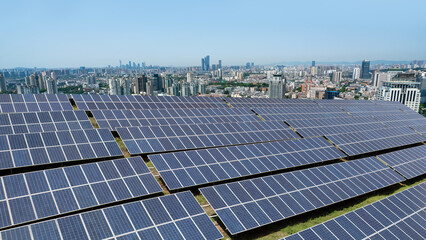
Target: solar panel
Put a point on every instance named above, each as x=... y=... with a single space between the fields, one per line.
x=113 y=119
x=310 y=112
x=190 y=168
x=409 y=162
x=103 y=102
x=400 y=216
x=324 y=126
x=42 y=194
x=268 y=102
x=10 y=103
x=248 y=204
x=178 y=137
x=176 y=216
x=375 y=140
x=31 y=122
x=420 y=129
x=20 y=150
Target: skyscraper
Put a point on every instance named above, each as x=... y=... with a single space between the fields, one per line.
x=205 y=63
x=365 y=69
x=140 y=84
x=189 y=77
x=220 y=64
x=313 y=63
x=356 y=74
x=277 y=86
x=336 y=77
x=51 y=86
x=3 y=85
x=158 y=83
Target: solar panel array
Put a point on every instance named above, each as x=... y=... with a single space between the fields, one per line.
x=179 y=137
x=190 y=168
x=104 y=102
x=113 y=119
x=41 y=194
x=375 y=140
x=31 y=122
x=177 y=216
x=20 y=150
x=400 y=216
x=10 y=103
x=81 y=188
x=252 y=203
x=409 y=162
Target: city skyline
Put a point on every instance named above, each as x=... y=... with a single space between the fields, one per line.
x=168 y=33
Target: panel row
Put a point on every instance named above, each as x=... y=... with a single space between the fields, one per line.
x=400 y=216
x=248 y=204
x=409 y=162
x=177 y=137
x=10 y=103
x=190 y=168
x=14 y=123
x=113 y=119
x=35 y=195
x=177 y=216
x=375 y=140
x=28 y=149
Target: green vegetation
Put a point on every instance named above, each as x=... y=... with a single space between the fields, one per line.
x=72 y=89
x=343 y=89
x=239 y=84
x=122 y=147
x=356 y=97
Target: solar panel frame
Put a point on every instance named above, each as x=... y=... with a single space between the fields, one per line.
x=409 y=162
x=191 y=168
x=175 y=216
x=10 y=103
x=84 y=186
x=293 y=193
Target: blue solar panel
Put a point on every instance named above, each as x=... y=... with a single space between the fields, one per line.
x=252 y=203
x=400 y=216
x=375 y=140
x=190 y=168
x=36 y=195
x=154 y=138
x=113 y=119
x=20 y=150
x=409 y=162
x=176 y=216
x=34 y=103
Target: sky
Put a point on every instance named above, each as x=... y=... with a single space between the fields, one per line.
x=73 y=33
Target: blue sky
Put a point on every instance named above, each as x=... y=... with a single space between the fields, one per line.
x=61 y=33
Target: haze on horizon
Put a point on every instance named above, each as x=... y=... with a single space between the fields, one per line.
x=49 y=33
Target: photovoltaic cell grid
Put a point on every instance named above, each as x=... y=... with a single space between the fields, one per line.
x=288 y=113
x=176 y=216
x=10 y=103
x=324 y=126
x=412 y=119
x=420 y=129
x=29 y=149
x=104 y=102
x=248 y=204
x=31 y=122
x=268 y=102
x=375 y=140
x=177 y=137
x=400 y=216
x=409 y=162
x=190 y=168
x=35 y=195
x=113 y=119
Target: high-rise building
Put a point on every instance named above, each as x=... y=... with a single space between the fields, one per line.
x=421 y=78
x=379 y=77
x=3 y=84
x=205 y=63
x=140 y=84
x=189 y=77
x=356 y=74
x=313 y=70
x=277 y=86
x=51 y=86
x=114 y=86
x=91 y=79
x=175 y=89
x=248 y=65
x=202 y=88
x=406 y=92
x=313 y=63
x=150 y=88
x=365 y=69
x=220 y=64
x=185 y=90
x=336 y=77
x=158 y=83
x=125 y=86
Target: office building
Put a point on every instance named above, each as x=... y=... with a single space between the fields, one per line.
x=3 y=83
x=313 y=63
x=421 y=78
x=356 y=74
x=91 y=79
x=205 y=63
x=140 y=84
x=365 y=69
x=331 y=94
x=189 y=77
x=405 y=92
x=379 y=77
x=277 y=86
x=220 y=64
x=157 y=83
